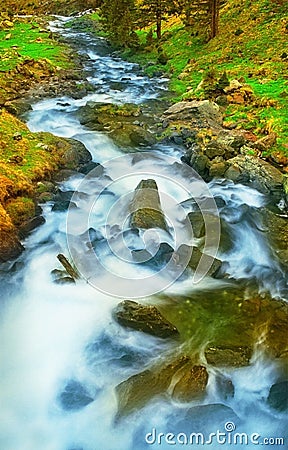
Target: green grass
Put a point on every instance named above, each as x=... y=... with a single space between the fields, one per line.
x=27 y=40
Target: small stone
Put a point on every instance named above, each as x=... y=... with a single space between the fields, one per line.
x=234 y=85
x=266 y=142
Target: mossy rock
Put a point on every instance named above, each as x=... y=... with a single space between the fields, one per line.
x=20 y=210
x=186 y=380
x=146 y=211
x=144 y=318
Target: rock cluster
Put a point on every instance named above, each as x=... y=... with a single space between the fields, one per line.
x=217 y=152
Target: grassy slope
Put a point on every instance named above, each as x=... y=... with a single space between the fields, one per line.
x=27 y=55
x=252 y=38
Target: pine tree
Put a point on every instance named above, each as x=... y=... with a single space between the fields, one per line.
x=153 y=11
x=202 y=13
x=119 y=20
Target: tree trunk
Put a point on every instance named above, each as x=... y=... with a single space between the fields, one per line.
x=158 y=24
x=214 y=13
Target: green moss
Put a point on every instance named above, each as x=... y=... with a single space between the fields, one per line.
x=226 y=317
x=20 y=210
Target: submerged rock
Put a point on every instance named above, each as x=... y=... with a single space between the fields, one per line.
x=210 y=266
x=146 y=211
x=224 y=386
x=144 y=318
x=205 y=418
x=27 y=227
x=74 y=396
x=230 y=356
x=278 y=396
x=181 y=378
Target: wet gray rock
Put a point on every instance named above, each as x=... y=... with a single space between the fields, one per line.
x=200 y=221
x=145 y=318
x=74 y=397
x=195 y=259
x=278 y=396
x=228 y=356
x=200 y=163
x=76 y=155
x=193 y=255
x=258 y=173
x=224 y=386
x=140 y=136
x=30 y=225
x=202 y=113
x=86 y=168
x=10 y=246
x=205 y=418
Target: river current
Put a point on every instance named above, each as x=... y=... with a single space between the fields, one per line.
x=62 y=353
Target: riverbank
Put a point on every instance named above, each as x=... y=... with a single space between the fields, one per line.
x=33 y=64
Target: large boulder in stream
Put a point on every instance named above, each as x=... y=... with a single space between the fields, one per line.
x=146 y=211
x=276 y=228
x=76 y=155
x=119 y=122
x=144 y=318
x=181 y=379
x=210 y=266
x=199 y=114
x=257 y=173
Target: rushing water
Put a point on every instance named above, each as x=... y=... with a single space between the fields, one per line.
x=60 y=347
